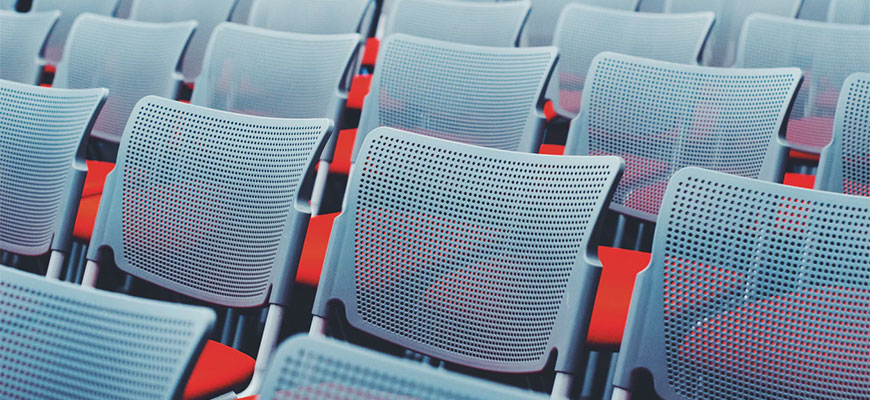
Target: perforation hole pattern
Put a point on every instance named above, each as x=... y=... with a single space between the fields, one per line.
x=482 y=24
x=661 y=119
x=545 y=13
x=826 y=53
x=466 y=253
x=205 y=200
x=765 y=293
x=855 y=131
x=309 y=16
x=39 y=134
x=849 y=12
x=54 y=346
x=69 y=10
x=478 y=96
x=21 y=38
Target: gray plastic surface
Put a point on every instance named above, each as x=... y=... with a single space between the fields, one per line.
x=584 y=31
x=661 y=117
x=477 y=256
x=42 y=133
x=755 y=291
x=844 y=166
x=827 y=54
x=540 y=27
x=482 y=24
x=210 y=204
x=8 y=4
x=132 y=59
x=310 y=16
x=207 y=14
x=721 y=48
x=849 y=12
x=69 y=11
x=814 y=10
x=321 y=368
x=61 y=341
x=22 y=40
x=488 y=96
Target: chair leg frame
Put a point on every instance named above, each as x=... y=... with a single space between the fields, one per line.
x=55 y=265
x=268 y=343
x=562 y=386
x=620 y=394
x=319 y=187
x=92 y=272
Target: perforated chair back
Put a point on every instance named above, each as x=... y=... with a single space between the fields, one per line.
x=545 y=13
x=584 y=31
x=827 y=53
x=207 y=13
x=207 y=203
x=310 y=16
x=69 y=11
x=849 y=12
x=8 y=4
x=22 y=40
x=482 y=24
x=476 y=256
x=755 y=291
x=309 y=368
x=721 y=48
x=487 y=96
x=61 y=341
x=844 y=166
x=42 y=132
x=814 y=10
x=132 y=59
x=661 y=117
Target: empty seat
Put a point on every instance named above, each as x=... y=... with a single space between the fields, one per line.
x=849 y=12
x=482 y=24
x=827 y=53
x=844 y=166
x=721 y=49
x=310 y=16
x=207 y=14
x=545 y=13
x=470 y=255
x=22 y=40
x=755 y=291
x=70 y=10
x=61 y=341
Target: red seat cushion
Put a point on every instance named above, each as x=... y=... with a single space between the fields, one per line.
x=86 y=217
x=218 y=370
x=800 y=155
x=96 y=179
x=799 y=180
x=552 y=149
x=614 y=295
x=550 y=110
x=314 y=251
x=343 y=151
x=370 y=54
x=359 y=88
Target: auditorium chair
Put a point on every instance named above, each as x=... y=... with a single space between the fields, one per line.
x=69 y=11
x=845 y=163
x=849 y=12
x=545 y=13
x=23 y=38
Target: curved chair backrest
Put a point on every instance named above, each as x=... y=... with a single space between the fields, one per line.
x=849 y=12
x=827 y=54
x=488 y=96
x=310 y=16
x=276 y=74
x=207 y=14
x=755 y=291
x=440 y=249
x=661 y=117
x=721 y=48
x=306 y=367
x=584 y=31
x=62 y=341
x=482 y=24
x=132 y=59
x=42 y=133
x=70 y=10
x=8 y=4
x=207 y=203
x=22 y=40
x=844 y=166
x=545 y=13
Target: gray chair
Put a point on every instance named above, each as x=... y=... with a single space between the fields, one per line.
x=70 y=10
x=844 y=166
x=61 y=341
x=584 y=31
x=207 y=13
x=651 y=5
x=545 y=13
x=721 y=49
x=310 y=16
x=814 y=10
x=210 y=204
x=132 y=59
x=471 y=255
x=827 y=53
x=321 y=368
x=43 y=132
x=8 y=4
x=661 y=117
x=849 y=12
x=482 y=24
x=22 y=40
x=755 y=291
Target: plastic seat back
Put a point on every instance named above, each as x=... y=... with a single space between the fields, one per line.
x=478 y=23
x=661 y=117
x=132 y=59
x=755 y=291
x=22 y=38
x=827 y=54
x=8 y=4
x=849 y=12
x=62 y=341
x=844 y=166
x=69 y=11
x=310 y=16
x=545 y=13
